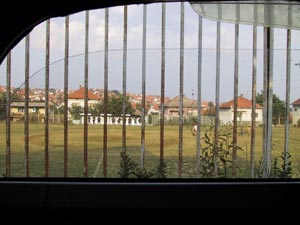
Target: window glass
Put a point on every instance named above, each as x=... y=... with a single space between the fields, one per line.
x=163 y=95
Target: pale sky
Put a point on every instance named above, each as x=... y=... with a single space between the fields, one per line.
x=134 y=62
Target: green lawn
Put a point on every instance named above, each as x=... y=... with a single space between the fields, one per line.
x=95 y=147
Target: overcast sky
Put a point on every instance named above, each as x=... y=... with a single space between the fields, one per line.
x=134 y=63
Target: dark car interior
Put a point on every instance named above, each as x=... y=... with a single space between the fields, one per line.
x=84 y=200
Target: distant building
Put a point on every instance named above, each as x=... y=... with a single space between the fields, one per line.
x=36 y=108
x=189 y=107
x=296 y=112
x=77 y=98
x=244 y=109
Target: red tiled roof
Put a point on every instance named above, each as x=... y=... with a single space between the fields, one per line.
x=297 y=102
x=242 y=103
x=133 y=105
x=79 y=94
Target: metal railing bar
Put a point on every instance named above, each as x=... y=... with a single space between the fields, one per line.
x=105 y=92
x=288 y=93
x=66 y=90
x=287 y=101
x=267 y=102
x=86 y=84
x=235 y=93
x=47 y=59
x=199 y=97
x=253 y=111
x=143 y=85
x=268 y=97
x=162 y=87
x=125 y=24
x=181 y=80
x=217 y=99
x=8 y=124
x=26 y=108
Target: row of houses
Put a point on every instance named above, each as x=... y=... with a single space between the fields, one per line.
x=244 y=108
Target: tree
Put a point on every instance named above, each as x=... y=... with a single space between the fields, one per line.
x=278 y=107
x=75 y=111
x=96 y=109
x=114 y=106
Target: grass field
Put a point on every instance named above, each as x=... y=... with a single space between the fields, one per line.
x=95 y=147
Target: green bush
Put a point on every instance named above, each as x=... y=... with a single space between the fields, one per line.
x=130 y=169
x=277 y=171
x=225 y=148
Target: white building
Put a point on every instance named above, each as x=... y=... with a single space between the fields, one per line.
x=244 y=108
x=77 y=98
x=296 y=112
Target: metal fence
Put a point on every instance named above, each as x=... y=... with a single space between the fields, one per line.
x=213 y=121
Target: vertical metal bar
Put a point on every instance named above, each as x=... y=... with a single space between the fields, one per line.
x=268 y=96
x=287 y=97
x=253 y=111
x=26 y=108
x=143 y=85
x=66 y=81
x=162 y=85
x=105 y=93
x=47 y=59
x=86 y=88
x=124 y=79
x=265 y=97
x=199 y=98
x=217 y=119
x=235 y=90
x=181 y=75
x=8 y=100
x=268 y=100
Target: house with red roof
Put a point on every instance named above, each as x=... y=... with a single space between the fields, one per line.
x=244 y=110
x=296 y=112
x=77 y=98
x=189 y=107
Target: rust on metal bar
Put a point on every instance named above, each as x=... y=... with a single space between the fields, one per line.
x=162 y=86
x=86 y=87
x=47 y=59
x=268 y=94
x=199 y=97
x=66 y=77
x=288 y=93
x=124 y=79
x=8 y=127
x=105 y=93
x=181 y=79
x=124 y=86
x=143 y=85
x=217 y=99
x=236 y=93
x=267 y=101
x=253 y=110
x=26 y=109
